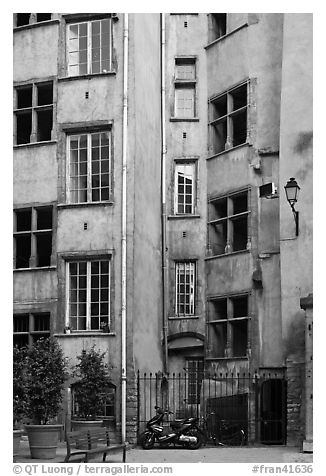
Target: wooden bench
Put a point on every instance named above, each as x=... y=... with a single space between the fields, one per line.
x=91 y=442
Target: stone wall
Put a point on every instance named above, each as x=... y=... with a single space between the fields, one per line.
x=295 y=402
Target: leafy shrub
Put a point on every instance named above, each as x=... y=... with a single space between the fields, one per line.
x=19 y=377
x=92 y=374
x=44 y=381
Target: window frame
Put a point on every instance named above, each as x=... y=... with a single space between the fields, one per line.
x=179 y=164
x=34 y=232
x=229 y=219
x=88 y=260
x=227 y=117
x=31 y=333
x=34 y=109
x=185 y=84
x=229 y=320
x=89 y=187
x=89 y=22
x=194 y=379
x=191 y=302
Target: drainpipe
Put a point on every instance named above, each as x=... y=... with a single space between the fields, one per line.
x=124 y=232
x=163 y=197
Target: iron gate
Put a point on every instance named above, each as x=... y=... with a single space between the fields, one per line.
x=256 y=403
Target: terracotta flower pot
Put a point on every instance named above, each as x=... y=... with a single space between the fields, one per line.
x=84 y=425
x=43 y=440
x=16 y=442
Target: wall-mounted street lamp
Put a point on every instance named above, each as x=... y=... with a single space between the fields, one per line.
x=292 y=192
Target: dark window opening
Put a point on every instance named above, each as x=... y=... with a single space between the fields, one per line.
x=218 y=237
x=44 y=94
x=24 y=97
x=44 y=125
x=240 y=306
x=240 y=203
x=24 y=127
x=239 y=128
x=218 y=26
x=43 y=17
x=218 y=209
x=219 y=107
x=219 y=134
x=23 y=220
x=23 y=251
x=219 y=309
x=218 y=339
x=239 y=97
x=22 y=19
x=20 y=340
x=44 y=249
x=240 y=233
x=42 y=321
x=44 y=218
x=21 y=323
x=239 y=338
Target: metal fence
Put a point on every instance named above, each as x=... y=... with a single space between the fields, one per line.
x=256 y=403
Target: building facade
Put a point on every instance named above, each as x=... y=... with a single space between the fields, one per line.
x=141 y=142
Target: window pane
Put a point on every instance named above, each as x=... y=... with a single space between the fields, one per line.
x=185 y=102
x=23 y=251
x=24 y=127
x=23 y=220
x=44 y=218
x=44 y=249
x=24 y=97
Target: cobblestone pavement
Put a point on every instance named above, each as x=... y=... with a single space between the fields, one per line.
x=271 y=454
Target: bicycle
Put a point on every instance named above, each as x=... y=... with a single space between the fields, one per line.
x=222 y=432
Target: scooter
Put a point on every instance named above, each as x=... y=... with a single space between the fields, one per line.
x=185 y=432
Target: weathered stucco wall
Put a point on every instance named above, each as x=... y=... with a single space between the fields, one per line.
x=144 y=198
x=296 y=161
x=35 y=52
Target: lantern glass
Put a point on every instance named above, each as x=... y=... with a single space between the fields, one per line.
x=292 y=191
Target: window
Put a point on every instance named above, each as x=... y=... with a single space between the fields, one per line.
x=33 y=237
x=109 y=402
x=228 y=326
x=88 y=294
x=89 y=167
x=30 y=18
x=185 y=188
x=185 y=288
x=228 y=119
x=217 y=25
x=228 y=224
x=34 y=113
x=185 y=87
x=30 y=327
x=195 y=372
x=89 y=47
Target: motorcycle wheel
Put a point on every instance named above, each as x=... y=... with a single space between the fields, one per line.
x=147 y=441
x=199 y=442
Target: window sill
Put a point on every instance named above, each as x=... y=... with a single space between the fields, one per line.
x=232 y=253
x=184 y=119
x=221 y=38
x=86 y=334
x=226 y=151
x=85 y=204
x=183 y=217
x=245 y=357
x=176 y=318
x=86 y=76
x=36 y=24
x=35 y=144
x=40 y=268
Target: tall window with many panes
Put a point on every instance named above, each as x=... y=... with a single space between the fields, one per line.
x=89 y=47
x=88 y=292
x=89 y=167
x=185 y=188
x=185 y=282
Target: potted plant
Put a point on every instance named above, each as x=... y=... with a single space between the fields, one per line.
x=19 y=396
x=44 y=382
x=92 y=377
